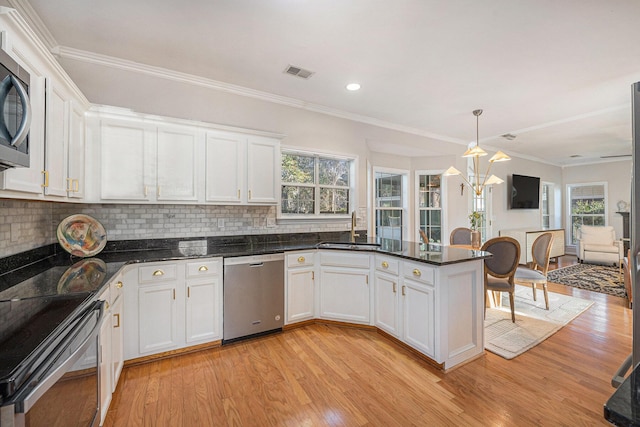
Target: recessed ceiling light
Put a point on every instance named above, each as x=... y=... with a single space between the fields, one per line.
x=353 y=86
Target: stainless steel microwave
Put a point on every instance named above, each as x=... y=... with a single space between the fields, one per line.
x=15 y=113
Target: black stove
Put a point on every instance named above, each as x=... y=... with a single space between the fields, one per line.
x=36 y=303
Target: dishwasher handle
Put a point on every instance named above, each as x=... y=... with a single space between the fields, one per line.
x=256 y=264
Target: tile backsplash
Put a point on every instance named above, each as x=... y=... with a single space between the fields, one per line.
x=26 y=225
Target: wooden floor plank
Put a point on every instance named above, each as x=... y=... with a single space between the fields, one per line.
x=328 y=375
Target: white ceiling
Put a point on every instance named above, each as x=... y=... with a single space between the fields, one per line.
x=556 y=73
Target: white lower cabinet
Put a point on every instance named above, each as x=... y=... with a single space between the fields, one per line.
x=111 y=350
x=344 y=286
x=300 y=287
x=418 y=316
x=172 y=305
x=387 y=291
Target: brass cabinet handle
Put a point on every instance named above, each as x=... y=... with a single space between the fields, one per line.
x=158 y=191
x=203 y=268
x=301 y=259
x=394 y=287
x=46 y=179
x=313 y=275
x=158 y=273
x=417 y=272
x=366 y=279
x=403 y=290
x=145 y=191
x=188 y=292
x=76 y=185
x=249 y=194
x=106 y=305
x=117 y=316
x=238 y=194
x=118 y=285
x=385 y=264
x=70 y=185
x=174 y=294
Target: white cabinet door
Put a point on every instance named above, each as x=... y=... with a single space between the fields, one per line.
x=104 y=366
x=56 y=143
x=225 y=168
x=75 y=177
x=117 y=341
x=157 y=318
x=419 y=316
x=263 y=170
x=202 y=313
x=300 y=294
x=344 y=294
x=386 y=305
x=177 y=164
x=126 y=154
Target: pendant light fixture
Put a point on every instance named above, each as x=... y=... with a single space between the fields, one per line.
x=475 y=153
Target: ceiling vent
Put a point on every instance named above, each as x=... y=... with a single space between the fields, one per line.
x=298 y=72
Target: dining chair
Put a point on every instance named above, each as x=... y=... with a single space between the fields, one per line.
x=500 y=269
x=535 y=273
x=460 y=236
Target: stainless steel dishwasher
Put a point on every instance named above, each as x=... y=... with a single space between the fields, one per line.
x=253 y=296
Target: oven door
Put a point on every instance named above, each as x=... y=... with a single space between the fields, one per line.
x=63 y=390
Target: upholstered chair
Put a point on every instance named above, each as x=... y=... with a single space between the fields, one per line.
x=535 y=273
x=460 y=236
x=500 y=269
x=599 y=245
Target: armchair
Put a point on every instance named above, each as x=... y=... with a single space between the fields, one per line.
x=599 y=245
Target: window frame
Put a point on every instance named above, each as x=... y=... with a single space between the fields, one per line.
x=444 y=232
x=317 y=216
x=569 y=215
x=404 y=199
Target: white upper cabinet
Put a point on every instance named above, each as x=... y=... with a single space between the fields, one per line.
x=125 y=160
x=50 y=135
x=76 y=158
x=178 y=164
x=242 y=169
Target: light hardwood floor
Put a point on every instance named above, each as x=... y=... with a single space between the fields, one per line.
x=325 y=375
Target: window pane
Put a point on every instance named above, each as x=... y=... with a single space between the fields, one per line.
x=298 y=200
x=334 y=200
x=298 y=169
x=334 y=172
x=587 y=207
x=389 y=224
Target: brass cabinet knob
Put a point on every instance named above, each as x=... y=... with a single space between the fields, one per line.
x=118 y=285
x=203 y=268
x=158 y=273
x=416 y=272
x=385 y=264
x=301 y=259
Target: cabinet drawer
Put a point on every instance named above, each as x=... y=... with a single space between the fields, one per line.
x=203 y=268
x=344 y=259
x=157 y=273
x=419 y=272
x=300 y=259
x=387 y=264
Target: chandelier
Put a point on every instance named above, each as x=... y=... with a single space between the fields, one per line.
x=475 y=153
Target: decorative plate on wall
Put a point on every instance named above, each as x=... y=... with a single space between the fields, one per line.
x=84 y=276
x=81 y=235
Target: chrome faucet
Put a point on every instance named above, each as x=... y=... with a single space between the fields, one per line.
x=353 y=227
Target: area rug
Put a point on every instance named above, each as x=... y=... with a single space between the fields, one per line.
x=597 y=278
x=533 y=324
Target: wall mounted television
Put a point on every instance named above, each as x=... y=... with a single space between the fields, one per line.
x=525 y=192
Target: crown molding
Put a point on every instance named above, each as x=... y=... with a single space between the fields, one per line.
x=177 y=76
x=35 y=23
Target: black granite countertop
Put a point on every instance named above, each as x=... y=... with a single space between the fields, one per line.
x=623 y=407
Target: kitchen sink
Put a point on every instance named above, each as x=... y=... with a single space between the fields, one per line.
x=349 y=245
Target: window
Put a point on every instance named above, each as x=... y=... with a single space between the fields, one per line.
x=430 y=206
x=390 y=200
x=547 y=194
x=587 y=205
x=314 y=185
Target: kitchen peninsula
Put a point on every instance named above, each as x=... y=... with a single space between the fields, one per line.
x=428 y=298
